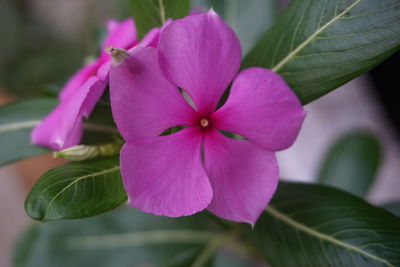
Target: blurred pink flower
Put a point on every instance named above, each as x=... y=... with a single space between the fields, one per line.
x=198 y=167
x=63 y=127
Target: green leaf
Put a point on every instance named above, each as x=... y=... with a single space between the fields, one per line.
x=153 y=13
x=77 y=190
x=19 y=118
x=351 y=163
x=16 y=123
x=393 y=207
x=121 y=238
x=100 y=127
x=318 y=45
x=315 y=225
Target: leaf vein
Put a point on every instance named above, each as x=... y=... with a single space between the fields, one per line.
x=297 y=225
x=286 y=59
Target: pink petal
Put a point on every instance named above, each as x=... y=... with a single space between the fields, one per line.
x=62 y=128
x=262 y=108
x=143 y=102
x=112 y=24
x=58 y=130
x=201 y=55
x=93 y=96
x=78 y=79
x=151 y=38
x=121 y=35
x=104 y=70
x=243 y=177
x=165 y=176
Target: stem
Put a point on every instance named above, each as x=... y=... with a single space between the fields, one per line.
x=214 y=245
x=100 y=128
x=145 y=238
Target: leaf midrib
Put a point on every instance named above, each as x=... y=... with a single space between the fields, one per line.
x=144 y=238
x=13 y=126
x=304 y=228
x=162 y=11
x=292 y=54
x=78 y=179
x=213 y=241
x=29 y=124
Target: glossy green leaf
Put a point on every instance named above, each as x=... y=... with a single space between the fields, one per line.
x=153 y=13
x=318 y=45
x=16 y=123
x=125 y=237
x=77 y=190
x=315 y=225
x=351 y=163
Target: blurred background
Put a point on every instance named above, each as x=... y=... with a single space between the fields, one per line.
x=44 y=41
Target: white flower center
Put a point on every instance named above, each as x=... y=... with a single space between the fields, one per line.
x=204 y=123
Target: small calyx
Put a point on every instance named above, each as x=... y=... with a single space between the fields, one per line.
x=118 y=55
x=84 y=152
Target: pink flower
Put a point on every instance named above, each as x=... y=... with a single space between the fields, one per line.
x=63 y=127
x=198 y=167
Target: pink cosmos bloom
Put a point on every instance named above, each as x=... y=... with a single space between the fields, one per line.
x=63 y=127
x=198 y=167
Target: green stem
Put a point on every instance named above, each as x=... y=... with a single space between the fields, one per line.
x=100 y=128
x=214 y=245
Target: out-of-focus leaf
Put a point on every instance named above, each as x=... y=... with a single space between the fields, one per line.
x=122 y=238
x=318 y=45
x=16 y=123
x=34 y=55
x=100 y=127
x=77 y=190
x=33 y=70
x=351 y=163
x=234 y=258
x=25 y=245
x=315 y=225
x=9 y=33
x=393 y=207
x=19 y=118
x=153 y=13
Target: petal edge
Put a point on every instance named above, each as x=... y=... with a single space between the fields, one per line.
x=243 y=177
x=165 y=175
x=201 y=55
x=262 y=108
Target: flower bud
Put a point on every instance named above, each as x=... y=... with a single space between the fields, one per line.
x=83 y=152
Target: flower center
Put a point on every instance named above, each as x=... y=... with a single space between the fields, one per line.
x=204 y=122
